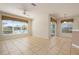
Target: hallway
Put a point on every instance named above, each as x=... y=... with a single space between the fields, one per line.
x=36 y=46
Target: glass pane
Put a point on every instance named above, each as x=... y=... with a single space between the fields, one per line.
x=25 y=28
x=7 y=26
x=20 y=27
x=15 y=27
x=7 y=30
x=67 y=27
x=52 y=28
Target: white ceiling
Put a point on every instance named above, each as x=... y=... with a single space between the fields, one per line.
x=62 y=9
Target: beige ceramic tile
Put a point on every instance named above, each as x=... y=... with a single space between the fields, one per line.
x=74 y=51
x=4 y=52
x=37 y=46
x=15 y=53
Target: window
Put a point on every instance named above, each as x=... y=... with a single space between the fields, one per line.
x=52 y=26
x=14 y=27
x=67 y=27
x=7 y=26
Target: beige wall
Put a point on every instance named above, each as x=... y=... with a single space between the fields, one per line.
x=58 y=28
x=75 y=33
x=75 y=38
x=40 y=25
x=76 y=23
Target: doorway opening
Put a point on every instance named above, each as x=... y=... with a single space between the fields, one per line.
x=53 y=27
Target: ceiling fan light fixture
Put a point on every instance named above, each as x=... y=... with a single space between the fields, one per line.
x=24 y=12
x=33 y=4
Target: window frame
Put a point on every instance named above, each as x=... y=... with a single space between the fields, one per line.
x=13 y=29
x=65 y=32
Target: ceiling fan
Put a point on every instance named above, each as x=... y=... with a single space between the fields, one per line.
x=25 y=9
x=33 y=4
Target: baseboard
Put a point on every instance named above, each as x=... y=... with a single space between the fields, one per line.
x=75 y=45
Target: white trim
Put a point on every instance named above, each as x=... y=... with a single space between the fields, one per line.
x=75 y=45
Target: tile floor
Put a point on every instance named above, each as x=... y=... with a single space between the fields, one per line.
x=37 y=46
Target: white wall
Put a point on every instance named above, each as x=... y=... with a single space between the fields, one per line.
x=40 y=25
x=75 y=32
x=76 y=22
x=0 y=25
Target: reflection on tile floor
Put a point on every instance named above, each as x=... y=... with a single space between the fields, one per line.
x=37 y=46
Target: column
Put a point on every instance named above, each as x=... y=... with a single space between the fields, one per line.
x=30 y=27
x=58 y=28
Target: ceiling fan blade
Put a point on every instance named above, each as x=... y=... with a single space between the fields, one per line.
x=33 y=4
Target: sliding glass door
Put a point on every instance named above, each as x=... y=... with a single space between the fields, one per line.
x=14 y=27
